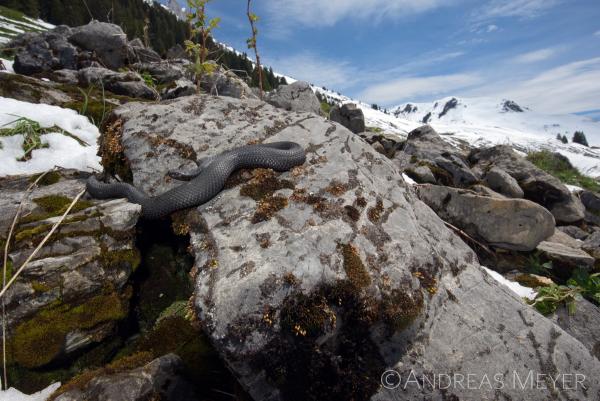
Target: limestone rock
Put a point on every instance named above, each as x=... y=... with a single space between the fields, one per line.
x=226 y=83
x=425 y=147
x=334 y=269
x=73 y=292
x=121 y=83
x=161 y=379
x=350 y=116
x=574 y=232
x=42 y=52
x=537 y=185
x=501 y=182
x=298 y=96
x=591 y=201
x=565 y=258
x=592 y=245
x=506 y=223
x=107 y=41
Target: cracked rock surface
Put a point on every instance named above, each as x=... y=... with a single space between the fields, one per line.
x=312 y=282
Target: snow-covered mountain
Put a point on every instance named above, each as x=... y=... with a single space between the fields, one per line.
x=479 y=122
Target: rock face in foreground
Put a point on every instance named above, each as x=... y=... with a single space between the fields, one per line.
x=311 y=283
x=73 y=292
x=515 y=224
x=537 y=185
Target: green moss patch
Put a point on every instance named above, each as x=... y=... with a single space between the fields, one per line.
x=48 y=179
x=39 y=340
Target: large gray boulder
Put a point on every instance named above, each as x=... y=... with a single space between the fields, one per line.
x=161 y=379
x=515 y=224
x=424 y=147
x=584 y=324
x=42 y=52
x=107 y=41
x=537 y=185
x=350 y=116
x=297 y=96
x=121 y=83
x=73 y=293
x=313 y=282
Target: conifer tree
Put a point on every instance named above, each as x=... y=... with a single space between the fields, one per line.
x=579 y=137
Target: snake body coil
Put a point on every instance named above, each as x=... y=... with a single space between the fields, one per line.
x=206 y=181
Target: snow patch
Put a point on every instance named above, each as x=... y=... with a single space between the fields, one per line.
x=13 y=394
x=521 y=291
x=62 y=151
x=8 y=65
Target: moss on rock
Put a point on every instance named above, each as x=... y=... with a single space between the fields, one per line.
x=40 y=339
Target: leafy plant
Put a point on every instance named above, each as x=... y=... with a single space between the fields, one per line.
x=549 y=298
x=32 y=133
x=589 y=284
x=536 y=266
x=253 y=19
x=200 y=29
x=148 y=79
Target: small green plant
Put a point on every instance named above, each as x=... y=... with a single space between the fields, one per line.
x=549 y=298
x=32 y=133
x=148 y=79
x=200 y=29
x=560 y=167
x=253 y=19
x=536 y=266
x=589 y=284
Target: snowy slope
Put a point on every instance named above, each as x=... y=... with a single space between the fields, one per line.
x=13 y=23
x=482 y=122
x=486 y=122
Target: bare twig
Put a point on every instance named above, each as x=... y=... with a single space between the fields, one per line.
x=467 y=237
x=37 y=249
x=4 y=272
x=252 y=18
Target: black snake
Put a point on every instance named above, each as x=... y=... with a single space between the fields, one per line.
x=206 y=181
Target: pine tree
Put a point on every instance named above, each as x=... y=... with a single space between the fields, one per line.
x=579 y=137
x=564 y=139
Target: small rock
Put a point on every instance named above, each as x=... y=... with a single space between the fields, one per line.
x=350 y=116
x=298 y=96
x=565 y=258
x=591 y=201
x=592 y=245
x=500 y=181
x=574 y=232
x=121 y=83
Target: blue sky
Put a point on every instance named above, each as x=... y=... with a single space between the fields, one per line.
x=542 y=53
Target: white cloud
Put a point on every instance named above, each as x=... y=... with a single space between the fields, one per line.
x=492 y=28
x=570 y=88
x=597 y=33
x=535 y=56
x=514 y=8
x=329 y=12
x=316 y=70
x=406 y=88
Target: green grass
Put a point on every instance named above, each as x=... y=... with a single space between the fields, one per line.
x=562 y=170
x=12 y=14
